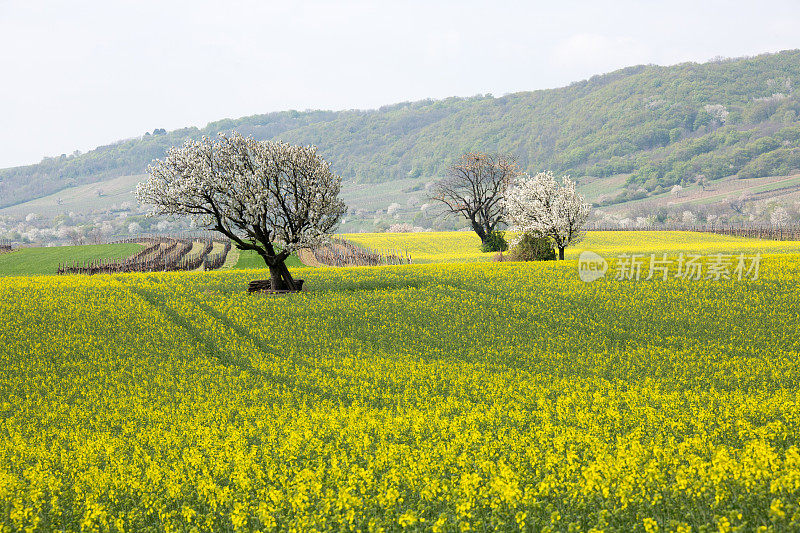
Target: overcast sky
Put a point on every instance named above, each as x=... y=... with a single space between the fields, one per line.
x=77 y=74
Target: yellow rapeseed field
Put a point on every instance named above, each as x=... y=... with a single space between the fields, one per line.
x=464 y=246
x=447 y=397
x=427 y=247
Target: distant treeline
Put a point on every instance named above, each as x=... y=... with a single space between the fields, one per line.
x=661 y=125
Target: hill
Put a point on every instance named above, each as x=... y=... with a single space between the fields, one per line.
x=656 y=126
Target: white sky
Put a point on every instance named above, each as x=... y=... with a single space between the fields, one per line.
x=77 y=74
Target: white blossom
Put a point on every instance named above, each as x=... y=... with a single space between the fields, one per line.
x=717 y=112
x=248 y=186
x=255 y=192
x=539 y=205
x=404 y=227
x=779 y=217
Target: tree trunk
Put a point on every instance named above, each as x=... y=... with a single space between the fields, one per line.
x=561 y=253
x=476 y=226
x=282 y=280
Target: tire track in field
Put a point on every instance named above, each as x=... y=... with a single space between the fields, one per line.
x=205 y=342
x=210 y=346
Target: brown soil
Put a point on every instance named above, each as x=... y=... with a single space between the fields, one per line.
x=307 y=258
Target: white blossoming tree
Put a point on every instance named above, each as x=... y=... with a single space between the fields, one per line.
x=780 y=217
x=539 y=205
x=257 y=193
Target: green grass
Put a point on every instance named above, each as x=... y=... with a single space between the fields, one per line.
x=39 y=261
x=608 y=187
x=777 y=185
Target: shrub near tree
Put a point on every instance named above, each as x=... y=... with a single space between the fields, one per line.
x=533 y=248
x=495 y=242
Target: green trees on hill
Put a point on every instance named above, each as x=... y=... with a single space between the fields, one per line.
x=660 y=125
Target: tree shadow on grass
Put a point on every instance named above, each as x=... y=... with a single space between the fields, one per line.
x=210 y=347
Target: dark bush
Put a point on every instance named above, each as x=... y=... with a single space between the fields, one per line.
x=534 y=248
x=495 y=242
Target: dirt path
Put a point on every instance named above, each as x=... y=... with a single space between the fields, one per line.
x=231 y=259
x=307 y=258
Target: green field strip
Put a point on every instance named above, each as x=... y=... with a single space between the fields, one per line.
x=44 y=261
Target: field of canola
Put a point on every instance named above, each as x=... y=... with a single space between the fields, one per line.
x=458 y=397
x=463 y=246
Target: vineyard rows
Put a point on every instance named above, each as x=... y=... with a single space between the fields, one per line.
x=774 y=233
x=160 y=254
x=341 y=253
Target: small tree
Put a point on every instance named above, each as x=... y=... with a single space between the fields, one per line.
x=539 y=206
x=257 y=193
x=780 y=217
x=474 y=188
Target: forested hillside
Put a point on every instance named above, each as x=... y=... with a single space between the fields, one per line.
x=661 y=125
